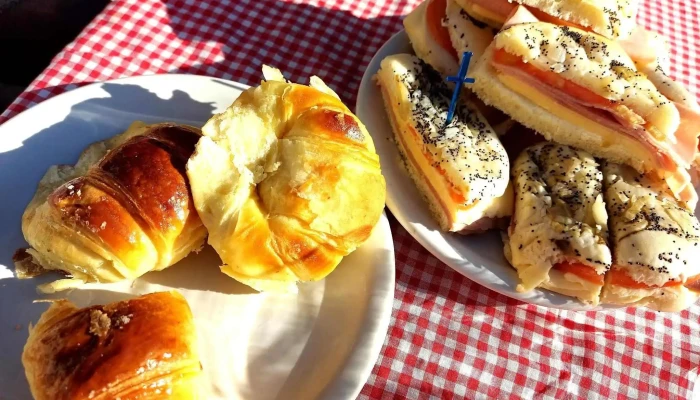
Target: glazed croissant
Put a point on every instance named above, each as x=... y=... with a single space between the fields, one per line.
x=144 y=348
x=287 y=182
x=124 y=209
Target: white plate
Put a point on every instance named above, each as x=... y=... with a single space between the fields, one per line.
x=479 y=258
x=321 y=343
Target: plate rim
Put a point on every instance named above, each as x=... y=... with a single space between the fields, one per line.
x=366 y=349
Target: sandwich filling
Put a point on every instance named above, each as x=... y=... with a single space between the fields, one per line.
x=463 y=163
x=590 y=76
x=434 y=15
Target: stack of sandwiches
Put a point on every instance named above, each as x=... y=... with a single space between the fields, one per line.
x=601 y=206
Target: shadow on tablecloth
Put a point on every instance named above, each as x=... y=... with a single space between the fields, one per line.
x=334 y=44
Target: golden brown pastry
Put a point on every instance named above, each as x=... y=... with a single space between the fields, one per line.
x=287 y=182
x=144 y=348
x=124 y=209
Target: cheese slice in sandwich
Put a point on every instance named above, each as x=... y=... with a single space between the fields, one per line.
x=610 y=18
x=429 y=38
x=580 y=89
x=460 y=168
x=557 y=236
x=655 y=241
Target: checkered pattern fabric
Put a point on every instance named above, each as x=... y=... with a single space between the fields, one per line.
x=449 y=337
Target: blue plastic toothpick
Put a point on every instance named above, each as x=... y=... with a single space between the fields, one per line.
x=459 y=80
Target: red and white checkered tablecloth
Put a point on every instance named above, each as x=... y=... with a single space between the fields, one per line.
x=449 y=337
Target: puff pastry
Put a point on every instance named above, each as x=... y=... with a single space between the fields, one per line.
x=124 y=209
x=287 y=182
x=144 y=349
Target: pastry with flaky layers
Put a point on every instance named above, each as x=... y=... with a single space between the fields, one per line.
x=287 y=182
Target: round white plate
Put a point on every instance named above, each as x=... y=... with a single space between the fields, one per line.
x=320 y=343
x=479 y=258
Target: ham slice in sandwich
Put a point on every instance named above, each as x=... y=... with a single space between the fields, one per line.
x=581 y=89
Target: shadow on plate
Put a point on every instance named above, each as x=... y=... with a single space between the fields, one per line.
x=198 y=271
x=336 y=325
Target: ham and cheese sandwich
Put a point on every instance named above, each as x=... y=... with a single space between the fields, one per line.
x=557 y=236
x=429 y=39
x=580 y=89
x=461 y=168
x=440 y=31
x=466 y=33
x=610 y=18
x=655 y=241
x=613 y=19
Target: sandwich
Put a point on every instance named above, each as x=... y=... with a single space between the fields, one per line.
x=440 y=32
x=429 y=39
x=580 y=89
x=610 y=18
x=613 y=19
x=465 y=32
x=655 y=241
x=558 y=233
x=461 y=168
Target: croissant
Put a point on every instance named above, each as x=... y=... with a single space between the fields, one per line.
x=144 y=348
x=124 y=209
x=287 y=182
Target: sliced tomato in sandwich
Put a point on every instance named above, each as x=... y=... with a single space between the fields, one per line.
x=583 y=271
x=619 y=277
x=434 y=14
